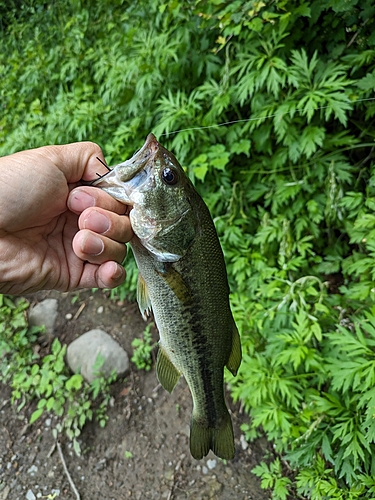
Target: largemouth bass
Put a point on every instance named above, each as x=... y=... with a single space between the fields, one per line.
x=182 y=278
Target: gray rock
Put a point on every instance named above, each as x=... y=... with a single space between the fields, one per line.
x=32 y=470
x=211 y=464
x=82 y=354
x=244 y=443
x=30 y=495
x=44 y=313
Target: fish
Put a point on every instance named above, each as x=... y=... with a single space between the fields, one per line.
x=182 y=279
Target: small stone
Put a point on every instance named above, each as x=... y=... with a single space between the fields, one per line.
x=101 y=464
x=168 y=474
x=44 y=313
x=30 y=495
x=48 y=422
x=228 y=471
x=55 y=492
x=68 y=316
x=211 y=464
x=82 y=354
x=243 y=442
x=32 y=470
x=100 y=310
x=204 y=470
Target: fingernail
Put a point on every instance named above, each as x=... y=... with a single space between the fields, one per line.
x=92 y=245
x=119 y=273
x=79 y=201
x=96 y=222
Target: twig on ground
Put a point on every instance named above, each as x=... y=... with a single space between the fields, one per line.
x=81 y=308
x=5 y=402
x=51 y=450
x=73 y=486
x=177 y=468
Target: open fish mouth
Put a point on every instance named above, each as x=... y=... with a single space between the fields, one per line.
x=131 y=175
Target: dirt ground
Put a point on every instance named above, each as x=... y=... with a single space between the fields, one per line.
x=142 y=453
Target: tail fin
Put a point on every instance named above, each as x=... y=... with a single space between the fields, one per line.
x=219 y=439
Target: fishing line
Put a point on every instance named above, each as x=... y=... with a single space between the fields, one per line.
x=232 y=122
x=244 y=120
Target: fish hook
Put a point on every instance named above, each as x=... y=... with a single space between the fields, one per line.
x=100 y=176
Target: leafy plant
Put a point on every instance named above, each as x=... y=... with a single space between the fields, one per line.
x=48 y=380
x=16 y=337
x=143 y=349
x=272 y=478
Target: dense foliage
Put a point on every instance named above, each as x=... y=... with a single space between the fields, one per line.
x=290 y=182
x=47 y=379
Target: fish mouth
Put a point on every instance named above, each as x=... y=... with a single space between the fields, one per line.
x=126 y=177
x=140 y=158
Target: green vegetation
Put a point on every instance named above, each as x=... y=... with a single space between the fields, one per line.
x=291 y=185
x=143 y=349
x=47 y=380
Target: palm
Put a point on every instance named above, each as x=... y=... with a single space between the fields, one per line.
x=44 y=255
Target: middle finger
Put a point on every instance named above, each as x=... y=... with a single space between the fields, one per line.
x=113 y=226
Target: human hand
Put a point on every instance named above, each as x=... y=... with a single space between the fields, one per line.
x=53 y=234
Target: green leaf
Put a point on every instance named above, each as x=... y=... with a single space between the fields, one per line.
x=35 y=415
x=367 y=83
x=74 y=382
x=76 y=447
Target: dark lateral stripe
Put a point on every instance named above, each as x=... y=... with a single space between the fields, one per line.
x=201 y=348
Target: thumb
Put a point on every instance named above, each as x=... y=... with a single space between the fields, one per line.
x=77 y=161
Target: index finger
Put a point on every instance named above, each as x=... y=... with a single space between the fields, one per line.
x=83 y=197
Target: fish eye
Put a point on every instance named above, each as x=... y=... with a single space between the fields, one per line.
x=169 y=176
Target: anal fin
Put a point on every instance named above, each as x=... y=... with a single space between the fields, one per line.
x=166 y=372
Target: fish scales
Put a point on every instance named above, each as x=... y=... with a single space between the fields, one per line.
x=182 y=277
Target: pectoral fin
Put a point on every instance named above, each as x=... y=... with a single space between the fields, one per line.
x=235 y=357
x=166 y=372
x=176 y=283
x=143 y=297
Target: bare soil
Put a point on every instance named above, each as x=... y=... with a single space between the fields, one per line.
x=142 y=453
